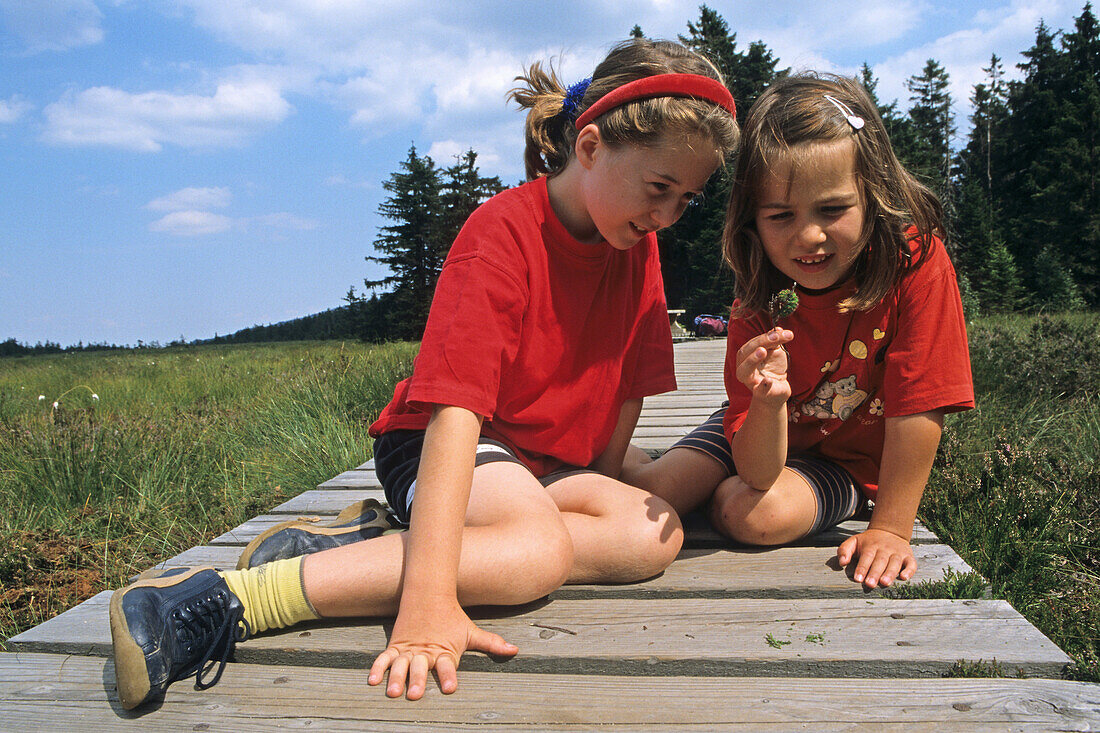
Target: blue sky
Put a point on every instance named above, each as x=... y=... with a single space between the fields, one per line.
x=183 y=168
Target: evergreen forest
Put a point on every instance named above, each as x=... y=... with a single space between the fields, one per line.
x=1019 y=190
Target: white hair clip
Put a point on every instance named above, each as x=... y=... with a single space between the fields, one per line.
x=853 y=119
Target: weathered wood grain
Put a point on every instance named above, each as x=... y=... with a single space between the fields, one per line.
x=49 y=692
x=685 y=636
x=785 y=572
x=698 y=532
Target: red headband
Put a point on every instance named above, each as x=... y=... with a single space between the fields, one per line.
x=662 y=85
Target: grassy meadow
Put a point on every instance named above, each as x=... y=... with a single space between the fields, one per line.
x=178 y=445
x=150 y=452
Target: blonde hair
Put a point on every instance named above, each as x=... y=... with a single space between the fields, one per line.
x=789 y=117
x=550 y=135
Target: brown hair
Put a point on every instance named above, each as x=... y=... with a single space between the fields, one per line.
x=789 y=117
x=549 y=132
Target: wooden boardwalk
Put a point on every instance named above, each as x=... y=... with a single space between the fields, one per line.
x=726 y=639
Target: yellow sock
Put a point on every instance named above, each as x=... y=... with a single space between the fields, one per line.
x=272 y=594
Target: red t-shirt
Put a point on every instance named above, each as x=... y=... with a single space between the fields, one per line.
x=850 y=371
x=542 y=335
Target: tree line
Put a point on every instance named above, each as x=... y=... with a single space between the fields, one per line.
x=1019 y=192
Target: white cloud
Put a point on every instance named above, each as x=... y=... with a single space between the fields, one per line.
x=472 y=81
x=192 y=199
x=816 y=28
x=53 y=25
x=12 y=109
x=1007 y=31
x=192 y=223
x=146 y=121
x=284 y=221
x=189 y=215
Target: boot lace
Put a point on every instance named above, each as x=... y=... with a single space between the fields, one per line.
x=209 y=625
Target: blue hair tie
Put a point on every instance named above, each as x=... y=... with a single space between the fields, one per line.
x=573 y=97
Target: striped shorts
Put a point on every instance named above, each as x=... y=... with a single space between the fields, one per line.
x=837 y=495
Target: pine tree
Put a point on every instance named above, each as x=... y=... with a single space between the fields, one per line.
x=982 y=257
x=746 y=74
x=933 y=125
x=691 y=252
x=1076 y=156
x=414 y=247
x=462 y=190
x=898 y=127
x=1033 y=104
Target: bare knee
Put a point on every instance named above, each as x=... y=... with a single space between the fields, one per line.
x=545 y=557
x=655 y=540
x=749 y=516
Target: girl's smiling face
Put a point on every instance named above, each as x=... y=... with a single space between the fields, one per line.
x=632 y=190
x=809 y=215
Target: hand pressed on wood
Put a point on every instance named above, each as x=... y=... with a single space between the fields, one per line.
x=883 y=557
x=427 y=639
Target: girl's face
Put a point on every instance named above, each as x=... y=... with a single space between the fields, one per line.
x=810 y=217
x=630 y=190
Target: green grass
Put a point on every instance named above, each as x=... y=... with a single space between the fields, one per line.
x=1016 y=486
x=185 y=443
x=953 y=585
x=181 y=445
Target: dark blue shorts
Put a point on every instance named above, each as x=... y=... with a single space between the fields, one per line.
x=397 y=459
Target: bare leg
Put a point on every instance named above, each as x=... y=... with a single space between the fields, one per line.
x=515 y=548
x=684 y=477
x=620 y=533
x=782 y=514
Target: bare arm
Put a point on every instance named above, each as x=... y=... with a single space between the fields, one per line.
x=431 y=630
x=908 y=450
x=442 y=494
x=610 y=462
x=760 y=444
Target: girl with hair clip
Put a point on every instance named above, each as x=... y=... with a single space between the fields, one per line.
x=503 y=450
x=842 y=400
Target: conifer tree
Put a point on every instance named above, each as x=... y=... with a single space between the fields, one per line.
x=982 y=257
x=462 y=189
x=691 y=251
x=412 y=248
x=1027 y=175
x=1076 y=155
x=933 y=125
x=897 y=125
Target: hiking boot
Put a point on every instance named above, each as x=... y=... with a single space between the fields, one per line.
x=171 y=627
x=363 y=520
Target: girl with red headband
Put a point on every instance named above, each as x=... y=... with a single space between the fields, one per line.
x=503 y=449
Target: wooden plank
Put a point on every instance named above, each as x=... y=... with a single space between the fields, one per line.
x=49 y=692
x=669 y=433
x=327 y=501
x=689 y=420
x=673 y=399
x=786 y=572
x=697 y=532
x=685 y=636
x=351 y=479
